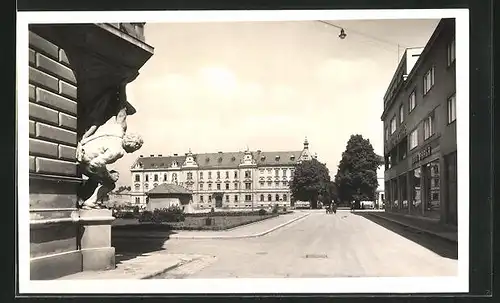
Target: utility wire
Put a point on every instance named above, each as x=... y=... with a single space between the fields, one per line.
x=366 y=35
x=363 y=34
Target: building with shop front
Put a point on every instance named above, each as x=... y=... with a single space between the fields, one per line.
x=234 y=180
x=420 y=139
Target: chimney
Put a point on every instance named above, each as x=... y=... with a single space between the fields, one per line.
x=151 y=155
x=175 y=155
x=141 y=156
x=220 y=152
x=159 y=155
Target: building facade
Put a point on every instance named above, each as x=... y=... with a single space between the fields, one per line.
x=420 y=139
x=246 y=179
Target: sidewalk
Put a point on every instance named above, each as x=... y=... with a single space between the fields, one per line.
x=425 y=225
x=251 y=230
x=146 y=266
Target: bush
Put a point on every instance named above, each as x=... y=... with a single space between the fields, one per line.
x=171 y=214
x=262 y=212
x=146 y=216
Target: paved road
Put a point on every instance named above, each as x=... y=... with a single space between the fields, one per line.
x=341 y=245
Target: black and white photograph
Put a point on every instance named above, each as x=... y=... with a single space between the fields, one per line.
x=249 y=152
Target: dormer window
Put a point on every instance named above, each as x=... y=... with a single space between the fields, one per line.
x=207 y=159
x=292 y=157
x=262 y=158
x=277 y=158
x=220 y=159
x=233 y=159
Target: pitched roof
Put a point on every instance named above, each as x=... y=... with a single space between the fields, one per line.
x=223 y=159
x=167 y=188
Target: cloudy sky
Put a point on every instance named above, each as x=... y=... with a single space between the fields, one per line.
x=266 y=85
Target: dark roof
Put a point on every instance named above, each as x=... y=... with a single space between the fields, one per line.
x=223 y=159
x=167 y=188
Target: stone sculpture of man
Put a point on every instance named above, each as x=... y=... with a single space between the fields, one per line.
x=101 y=145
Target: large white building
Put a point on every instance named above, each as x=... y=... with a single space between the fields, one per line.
x=224 y=179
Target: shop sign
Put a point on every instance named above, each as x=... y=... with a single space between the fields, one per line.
x=422 y=154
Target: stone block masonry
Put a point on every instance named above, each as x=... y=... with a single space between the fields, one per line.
x=52 y=110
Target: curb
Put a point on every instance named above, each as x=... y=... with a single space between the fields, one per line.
x=243 y=236
x=428 y=232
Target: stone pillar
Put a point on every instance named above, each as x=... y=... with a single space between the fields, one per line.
x=95 y=239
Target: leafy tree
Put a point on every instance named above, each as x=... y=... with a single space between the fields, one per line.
x=310 y=182
x=356 y=178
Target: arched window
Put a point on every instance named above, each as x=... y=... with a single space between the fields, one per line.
x=277 y=197
x=285 y=198
x=261 y=197
x=269 y=198
x=164 y=177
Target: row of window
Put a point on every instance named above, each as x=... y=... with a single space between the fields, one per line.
x=248 y=174
x=428 y=83
x=277 y=197
x=276 y=171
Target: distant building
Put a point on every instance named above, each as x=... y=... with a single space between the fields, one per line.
x=119 y=197
x=420 y=139
x=167 y=195
x=223 y=179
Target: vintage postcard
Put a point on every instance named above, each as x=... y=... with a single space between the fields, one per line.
x=243 y=152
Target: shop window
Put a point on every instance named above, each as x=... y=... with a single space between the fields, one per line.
x=415 y=194
x=394 y=194
x=431 y=179
x=403 y=190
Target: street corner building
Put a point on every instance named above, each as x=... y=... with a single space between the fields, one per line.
x=420 y=138
x=222 y=180
x=73 y=69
